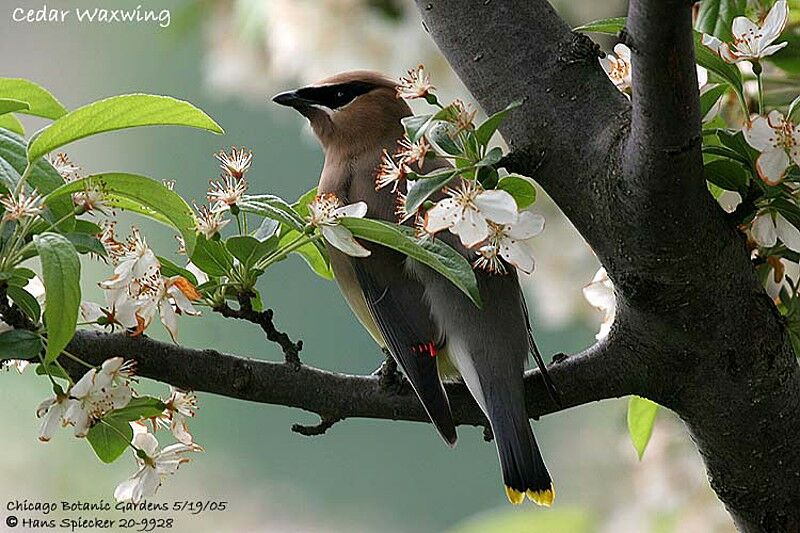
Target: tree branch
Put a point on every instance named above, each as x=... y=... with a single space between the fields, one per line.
x=664 y=149
x=291 y=349
x=600 y=372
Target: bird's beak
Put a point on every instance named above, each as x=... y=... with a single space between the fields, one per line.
x=291 y=99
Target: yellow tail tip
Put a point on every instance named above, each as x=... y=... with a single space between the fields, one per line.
x=542 y=497
x=514 y=496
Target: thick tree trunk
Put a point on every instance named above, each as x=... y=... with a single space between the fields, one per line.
x=698 y=328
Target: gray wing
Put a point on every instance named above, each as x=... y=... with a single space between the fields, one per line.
x=397 y=303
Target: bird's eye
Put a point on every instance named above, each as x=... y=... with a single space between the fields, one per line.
x=340 y=94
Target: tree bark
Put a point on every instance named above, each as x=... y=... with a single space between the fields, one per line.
x=692 y=314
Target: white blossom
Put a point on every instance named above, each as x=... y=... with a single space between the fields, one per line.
x=180 y=406
x=618 y=68
x=21 y=206
x=136 y=262
x=600 y=294
x=94 y=395
x=53 y=411
x=416 y=84
x=750 y=41
x=778 y=140
x=154 y=466
x=468 y=210
x=326 y=210
x=511 y=242
x=769 y=227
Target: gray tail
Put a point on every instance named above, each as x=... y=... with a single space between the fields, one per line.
x=524 y=471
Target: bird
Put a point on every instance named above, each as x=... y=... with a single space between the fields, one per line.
x=411 y=310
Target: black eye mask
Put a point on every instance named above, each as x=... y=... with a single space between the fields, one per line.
x=335 y=96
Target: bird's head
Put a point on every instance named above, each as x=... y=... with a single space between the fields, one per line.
x=350 y=111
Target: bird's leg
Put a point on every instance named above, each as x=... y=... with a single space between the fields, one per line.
x=390 y=378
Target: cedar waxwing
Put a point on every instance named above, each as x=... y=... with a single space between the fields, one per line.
x=410 y=309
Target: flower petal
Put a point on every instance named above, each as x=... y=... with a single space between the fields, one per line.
x=742 y=26
x=787 y=233
x=528 y=225
x=519 y=255
x=763 y=230
x=497 y=206
x=759 y=134
x=441 y=216
x=341 y=238
x=471 y=228
x=771 y=165
x=169 y=318
x=771 y=49
x=356 y=210
x=774 y=23
x=623 y=51
x=711 y=42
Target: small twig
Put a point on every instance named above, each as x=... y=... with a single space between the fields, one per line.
x=12 y=314
x=325 y=423
x=291 y=350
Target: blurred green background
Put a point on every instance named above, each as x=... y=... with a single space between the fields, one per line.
x=362 y=475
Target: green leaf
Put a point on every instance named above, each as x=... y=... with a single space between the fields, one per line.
x=19 y=344
x=41 y=103
x=316 y=257
x=13 y=160
x=141 y=195
x=789 y=210
x=51 y=369
x=169 y=269
x=9 y=105
x=248 y=250
x=435 y=254
x=89 y=228
x=61 y=274
x=301 y=205
x=26 y=301
x=491 y=158
x=212 y=257
x=641 y=417
x=439 y=135
x=139 y=408
x=705 y=57
x=86 y=244
x=728 y=175
x=110 y=438
x=484 y=132
x=793 y=114
x=11 y=123
x=422 y=189
x=734 y=140
x=274 y=207
x=116 y=113
x=520 y=188
x=611 y=26
x=716 y=16
x=415 y=126
x=710 y=97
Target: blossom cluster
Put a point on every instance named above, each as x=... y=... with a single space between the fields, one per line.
x=486 y=220
x=137 y=290
x=95 y=397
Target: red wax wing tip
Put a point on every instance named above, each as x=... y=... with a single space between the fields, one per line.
x=427 y=349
